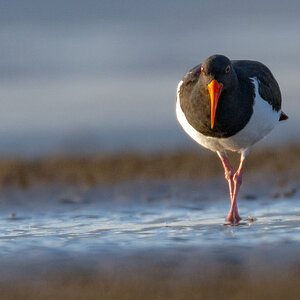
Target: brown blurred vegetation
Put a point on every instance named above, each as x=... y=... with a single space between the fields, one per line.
x=98 y=169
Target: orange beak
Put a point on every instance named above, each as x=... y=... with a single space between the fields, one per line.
x=214 y=89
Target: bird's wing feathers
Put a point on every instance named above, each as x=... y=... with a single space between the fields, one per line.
x=187 y=83
x=192 y=75
x=268 y=87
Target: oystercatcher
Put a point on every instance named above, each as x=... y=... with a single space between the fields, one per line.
x=229 y=105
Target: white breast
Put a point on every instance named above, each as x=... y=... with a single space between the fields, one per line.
x=262 y=121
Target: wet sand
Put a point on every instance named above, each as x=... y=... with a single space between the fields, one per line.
x=172 y=275
x=79 y=228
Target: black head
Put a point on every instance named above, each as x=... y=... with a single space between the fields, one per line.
x=218 y=67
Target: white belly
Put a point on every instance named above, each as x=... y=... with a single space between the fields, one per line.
x=262 y=121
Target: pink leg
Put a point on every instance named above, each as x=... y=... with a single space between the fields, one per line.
x=229 y=172
x=234 y=182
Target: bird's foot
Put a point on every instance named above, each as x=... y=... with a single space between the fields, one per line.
x=233 y=218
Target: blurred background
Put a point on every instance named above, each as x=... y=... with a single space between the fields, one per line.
x=86 y=76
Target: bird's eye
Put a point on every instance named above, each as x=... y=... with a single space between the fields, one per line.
x=202 y=70
x=227 y=69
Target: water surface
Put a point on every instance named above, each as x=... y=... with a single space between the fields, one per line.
x=43 y=224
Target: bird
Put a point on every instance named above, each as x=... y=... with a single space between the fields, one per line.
x=229 y=105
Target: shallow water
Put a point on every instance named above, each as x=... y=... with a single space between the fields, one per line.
x=137 y=216
x=149 y=238
x=84 y=227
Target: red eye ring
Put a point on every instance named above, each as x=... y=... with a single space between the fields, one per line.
x=202 y=70
x=227 y=69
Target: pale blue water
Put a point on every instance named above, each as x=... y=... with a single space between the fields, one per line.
x=101 y=75
x=50 y=228
x=86 y=227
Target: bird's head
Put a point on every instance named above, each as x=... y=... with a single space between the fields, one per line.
x=217 y=76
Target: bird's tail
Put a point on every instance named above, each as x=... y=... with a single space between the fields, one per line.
x=283 y=116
